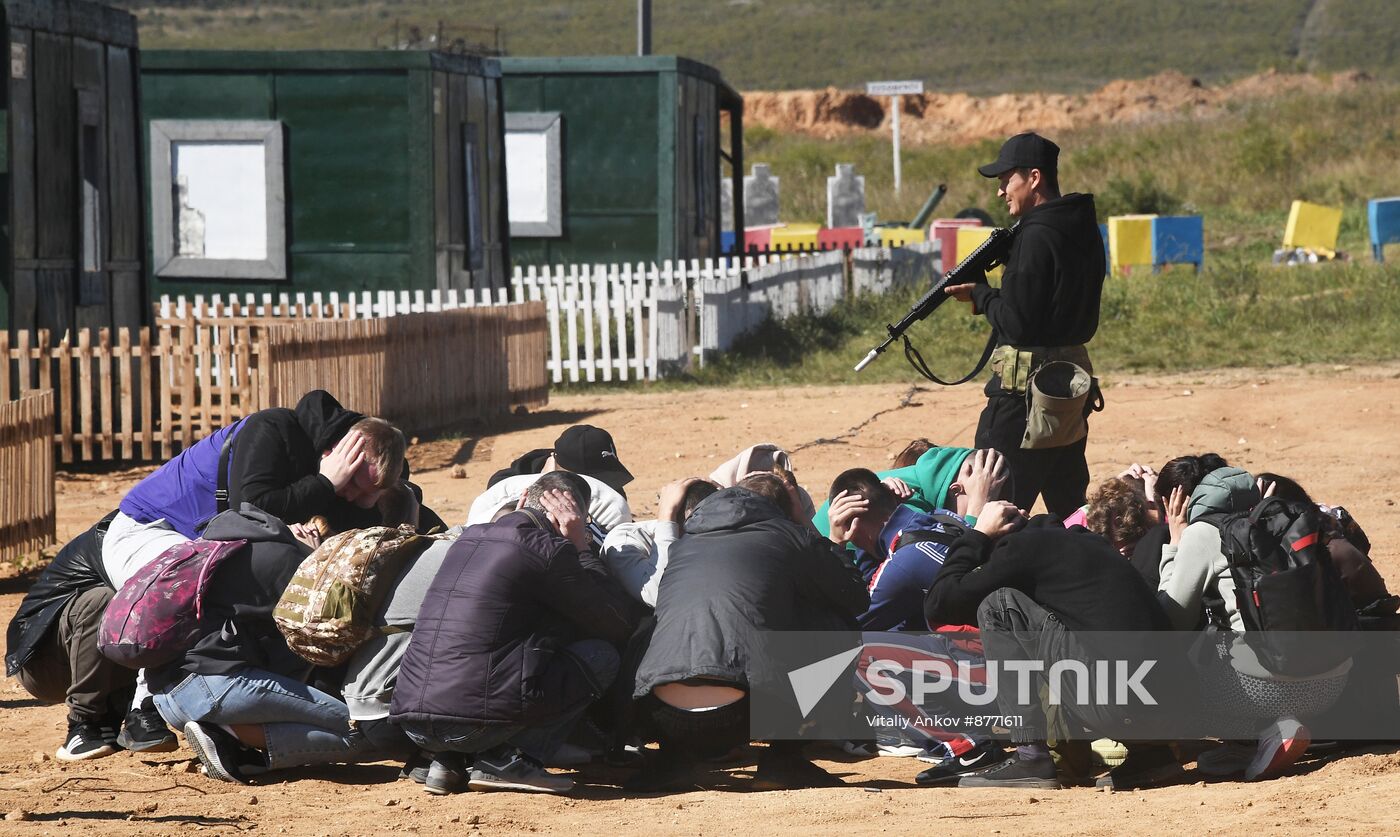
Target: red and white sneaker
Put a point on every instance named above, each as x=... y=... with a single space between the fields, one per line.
x=1282 y=744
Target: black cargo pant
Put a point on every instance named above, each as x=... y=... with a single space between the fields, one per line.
x=68 y=668
x=1014 y=627
x=1060 y=475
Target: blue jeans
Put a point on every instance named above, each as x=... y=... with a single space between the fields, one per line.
x=304 y=726
x=599 y=662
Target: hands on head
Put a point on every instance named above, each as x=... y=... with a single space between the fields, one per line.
x=1176 y=513
x=844 y=515
x=670 y=504
x=1000 y=518
x=566 y=517
x=981 y=479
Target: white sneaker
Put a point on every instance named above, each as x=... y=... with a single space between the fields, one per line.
x=1282 y=744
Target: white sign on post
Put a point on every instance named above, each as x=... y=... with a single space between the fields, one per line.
x=893 y=88
x=896 y=90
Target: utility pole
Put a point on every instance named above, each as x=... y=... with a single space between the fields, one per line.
x=644 y=27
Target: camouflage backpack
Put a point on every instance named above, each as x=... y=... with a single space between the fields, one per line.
x=328 y=608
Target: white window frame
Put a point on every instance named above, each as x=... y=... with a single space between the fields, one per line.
x=551 y=126
x=165 y=133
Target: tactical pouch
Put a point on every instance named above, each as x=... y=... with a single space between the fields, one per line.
x=1058 y=405
x=1014 y=366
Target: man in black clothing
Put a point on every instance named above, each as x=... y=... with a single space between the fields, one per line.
x=1046 y=309
x=1038 y=591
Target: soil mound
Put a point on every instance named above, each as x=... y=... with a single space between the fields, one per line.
x=957 y=118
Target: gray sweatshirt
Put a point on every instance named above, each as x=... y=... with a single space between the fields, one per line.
x=373 y=670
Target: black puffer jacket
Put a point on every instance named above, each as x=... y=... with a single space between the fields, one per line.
x=508 y=597
x=77 y=567
x=1049 y=294
x=743 y=567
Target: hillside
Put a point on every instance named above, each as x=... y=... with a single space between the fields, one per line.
x=957 y=118
x=1054 y=45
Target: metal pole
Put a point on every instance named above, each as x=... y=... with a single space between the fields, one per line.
x=644 y=27
x=898 y=106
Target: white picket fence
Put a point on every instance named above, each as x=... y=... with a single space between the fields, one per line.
x=606 y=322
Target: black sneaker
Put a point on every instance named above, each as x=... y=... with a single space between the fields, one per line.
x=223 y=756
x=416 y=768
x=85 y=741
x=446 y=774
x=1016 y=772
x=144 y=731
x=661 y=772
x=1147 y=765
x=513 y=770
x=790 y=771
x=955 y=767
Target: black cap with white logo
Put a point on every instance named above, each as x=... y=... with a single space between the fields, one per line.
x=585 y=449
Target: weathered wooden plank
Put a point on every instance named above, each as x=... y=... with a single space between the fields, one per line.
x=87 y=421
x=104 y=384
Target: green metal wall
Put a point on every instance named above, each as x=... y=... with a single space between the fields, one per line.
x=629 y=156
x=358 y=171
x=612 y=190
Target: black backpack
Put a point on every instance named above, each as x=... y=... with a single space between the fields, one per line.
x=1286 y=587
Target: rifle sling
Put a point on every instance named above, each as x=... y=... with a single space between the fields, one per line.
x=916 y=360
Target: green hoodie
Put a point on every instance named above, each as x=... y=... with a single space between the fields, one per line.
x=930 y=477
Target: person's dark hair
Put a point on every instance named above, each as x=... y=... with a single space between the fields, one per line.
x=866 y=483
x=565 y=481
x=912 y=452
x=1118 y=511
x=1186 y=472
x=771 y=488
x=1285 y=488
x=1050 y=178
x=695 y=493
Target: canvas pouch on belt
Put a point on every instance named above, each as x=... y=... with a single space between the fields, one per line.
x=1057 y=384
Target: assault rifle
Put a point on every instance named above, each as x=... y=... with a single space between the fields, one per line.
x=973 y=268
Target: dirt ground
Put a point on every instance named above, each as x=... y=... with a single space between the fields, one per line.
x=957 y=118
x=1335 y=429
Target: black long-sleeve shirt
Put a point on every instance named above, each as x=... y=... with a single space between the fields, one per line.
x=1074 y=574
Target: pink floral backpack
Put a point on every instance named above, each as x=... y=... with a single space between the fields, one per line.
x=154 y=618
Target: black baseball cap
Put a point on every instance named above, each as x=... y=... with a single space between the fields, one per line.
x=585 y=449
x=1024 y=151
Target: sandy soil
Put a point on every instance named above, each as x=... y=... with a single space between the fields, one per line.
x=1333 y=428
x=958 y=118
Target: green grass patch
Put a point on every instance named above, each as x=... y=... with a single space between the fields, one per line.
x=1234 y=314
x=1067 y=45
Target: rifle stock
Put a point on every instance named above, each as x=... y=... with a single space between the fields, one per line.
x=973 y=268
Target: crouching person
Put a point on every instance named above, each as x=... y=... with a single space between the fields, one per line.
x=746 y=565
x=1040 y=592
x=515 y=638
x=239 y=693
x=52 y=648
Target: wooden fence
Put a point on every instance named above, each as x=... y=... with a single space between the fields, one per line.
x=26 y=475
x=149 y=393
x=419 y=371
x=145 y=395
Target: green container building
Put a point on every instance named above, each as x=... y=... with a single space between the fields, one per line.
x=618 y=159
x=323 y=171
